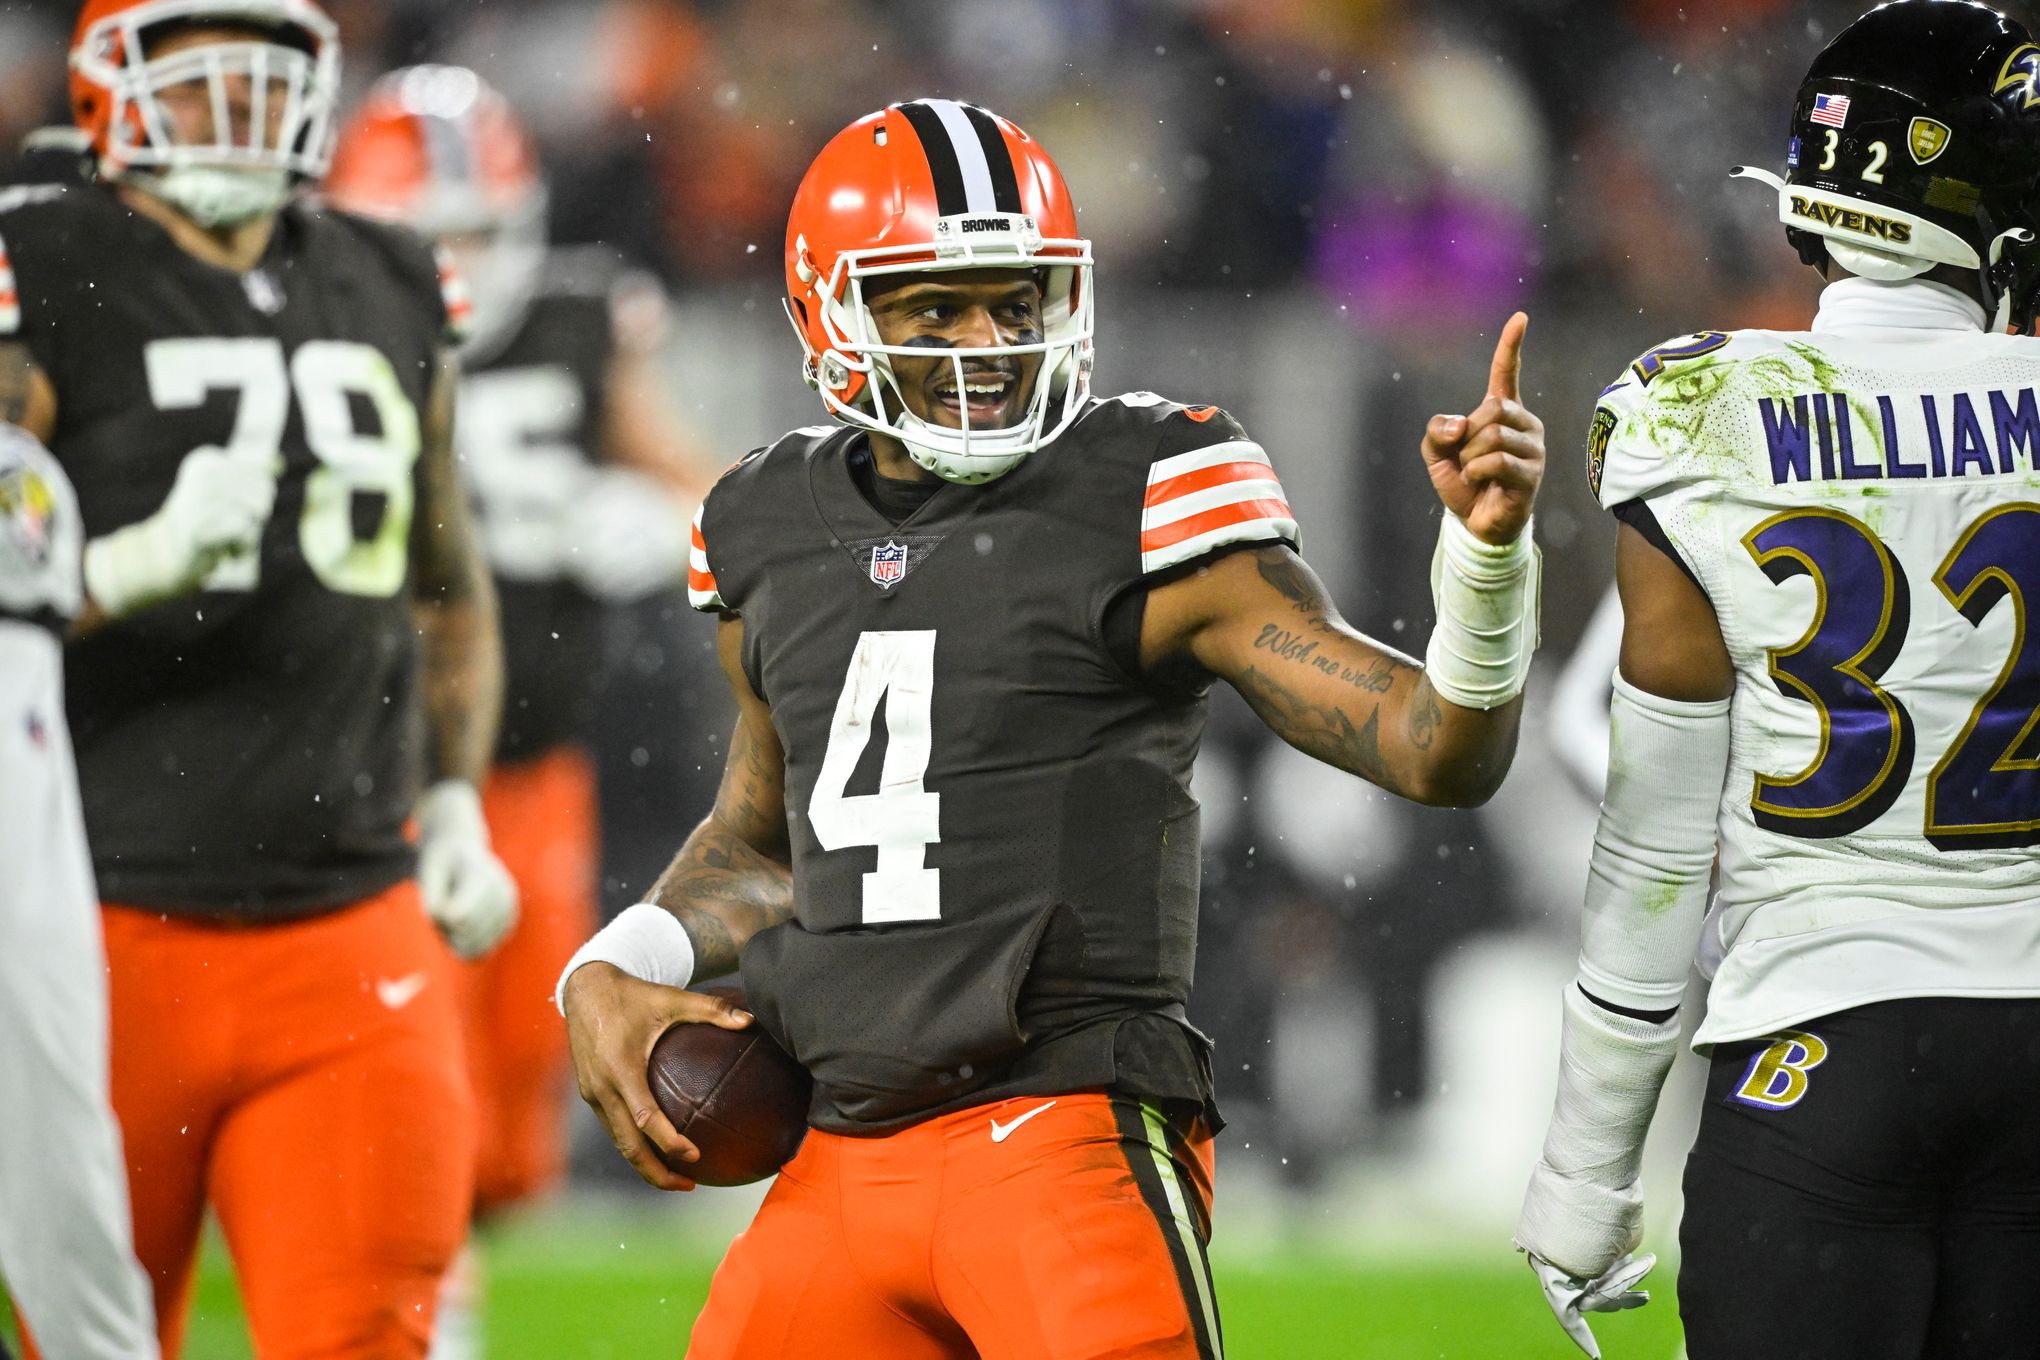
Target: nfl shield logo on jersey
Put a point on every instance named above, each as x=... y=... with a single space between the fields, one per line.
x=888 y=563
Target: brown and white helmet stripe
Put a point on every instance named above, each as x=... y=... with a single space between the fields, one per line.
x=967 y=155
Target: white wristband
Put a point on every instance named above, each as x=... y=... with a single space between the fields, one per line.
x=1487 y=598
x=648 y=942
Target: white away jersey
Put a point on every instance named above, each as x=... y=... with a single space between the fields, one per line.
x=1861 y=503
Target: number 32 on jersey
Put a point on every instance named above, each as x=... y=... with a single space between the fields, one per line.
x=1984 y=791
x=902 y=819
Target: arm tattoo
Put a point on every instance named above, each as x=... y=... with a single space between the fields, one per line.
x=1320 y=730
x=734 y=876
x=1285 y=571
x=724 y=891
x=444 y=546
x=1301 y=640
x=461 y=652
x=1377 y=678
x=1425 y=715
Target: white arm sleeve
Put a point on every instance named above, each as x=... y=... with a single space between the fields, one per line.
x=1646 y=898
x=1654 y=847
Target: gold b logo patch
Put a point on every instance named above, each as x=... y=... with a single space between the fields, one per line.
x=1926 y=139
x=1776 y=1079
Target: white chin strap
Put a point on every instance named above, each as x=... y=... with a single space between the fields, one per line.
x=966 y=455
x=218 y=196
x=990 y=456
x=1869 y=239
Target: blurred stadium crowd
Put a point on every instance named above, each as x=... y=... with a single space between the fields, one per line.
x=1314 y=212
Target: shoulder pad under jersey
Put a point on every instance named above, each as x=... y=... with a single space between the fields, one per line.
x=422 y=268
x=1208 y=484
x=18 y=219
x=1649 y=428
x=727 y=494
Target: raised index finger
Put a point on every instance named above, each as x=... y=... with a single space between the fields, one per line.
x=1505 y=376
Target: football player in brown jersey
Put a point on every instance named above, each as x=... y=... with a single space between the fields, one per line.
x=969 y=633
x=289 y=632
x=582 y=482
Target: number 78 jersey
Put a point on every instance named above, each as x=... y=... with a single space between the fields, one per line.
x=253 y=749
x=1862 y=508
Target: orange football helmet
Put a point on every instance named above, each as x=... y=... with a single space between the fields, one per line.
x=434 y=147
x=927 y=185
x=224 y=130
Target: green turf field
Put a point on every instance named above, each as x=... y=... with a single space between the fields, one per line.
x=606 y=1286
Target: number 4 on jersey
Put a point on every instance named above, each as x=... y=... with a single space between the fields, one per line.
x=902 y=819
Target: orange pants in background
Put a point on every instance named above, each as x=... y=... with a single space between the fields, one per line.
x=306 y=1079
x=1072 y=1226
x=541 y=816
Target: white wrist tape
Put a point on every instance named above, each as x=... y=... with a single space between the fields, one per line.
x=1653 y=847
x=648 y=942
x=132 y=568
x=1487 y=597
x=1584 y=1208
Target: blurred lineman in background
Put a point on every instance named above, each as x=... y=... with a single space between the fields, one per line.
x=1829 y=553
x=66 y=1249
x=287 y=622
x=582 y=486
x=970 y=632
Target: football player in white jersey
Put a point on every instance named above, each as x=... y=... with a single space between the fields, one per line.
x=66 y=1248
x=1830 y=548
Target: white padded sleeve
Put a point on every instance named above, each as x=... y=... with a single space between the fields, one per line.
x=1654 y=847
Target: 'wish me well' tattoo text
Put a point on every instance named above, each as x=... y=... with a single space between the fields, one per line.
x=1377 y=678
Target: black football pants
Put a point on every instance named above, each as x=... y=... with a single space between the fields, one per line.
x=1867 y=1187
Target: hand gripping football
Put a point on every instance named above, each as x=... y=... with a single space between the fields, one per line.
x=735 y=1094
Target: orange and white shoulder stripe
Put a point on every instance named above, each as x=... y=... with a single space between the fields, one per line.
x=10 y=299
x=701 y=591
x=1210 y=497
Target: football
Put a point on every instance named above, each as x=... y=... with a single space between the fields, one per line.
x=734 y=1093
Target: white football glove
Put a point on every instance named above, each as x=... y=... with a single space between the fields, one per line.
x=216 y=509
x=468 y=893
x=627 y=536
x=1611 y=1292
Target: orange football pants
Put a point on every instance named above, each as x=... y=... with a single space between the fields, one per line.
x=541 y=815
x=306 y=1078
x=1073 y=1227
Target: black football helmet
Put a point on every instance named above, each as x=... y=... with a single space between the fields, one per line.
x=1916 y=143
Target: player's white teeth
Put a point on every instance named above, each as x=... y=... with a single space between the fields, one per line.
x=976 y=384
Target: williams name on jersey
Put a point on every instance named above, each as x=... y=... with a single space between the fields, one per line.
x=995 y=849
x=1861 y=504
x=251 y=750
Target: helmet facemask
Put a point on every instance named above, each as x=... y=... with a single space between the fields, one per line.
x=978 y=241
x=501 y=265
x=225 y=131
